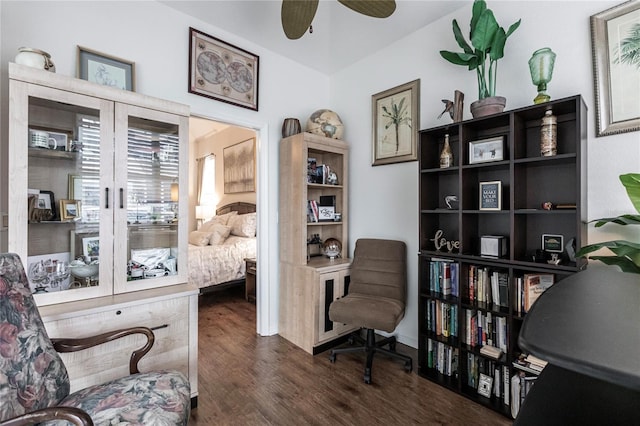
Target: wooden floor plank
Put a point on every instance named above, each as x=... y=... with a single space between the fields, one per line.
x=245 y=379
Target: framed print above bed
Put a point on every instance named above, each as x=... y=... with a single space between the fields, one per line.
x=240 y=167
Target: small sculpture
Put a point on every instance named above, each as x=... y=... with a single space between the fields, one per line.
x=455 y=107
x=449 y=199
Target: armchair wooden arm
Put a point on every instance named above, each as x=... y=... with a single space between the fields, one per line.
x=74 y=415
x=72 y=345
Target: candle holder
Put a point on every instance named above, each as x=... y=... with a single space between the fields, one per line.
x=541 y=68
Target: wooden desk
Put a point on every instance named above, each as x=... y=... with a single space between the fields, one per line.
x=587 y=327
x=250 y=279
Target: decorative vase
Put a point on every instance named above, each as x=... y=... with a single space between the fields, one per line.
x=541 y=68
x=446 y=155
x=290 y=127
x=35 y=58
x=488 y=106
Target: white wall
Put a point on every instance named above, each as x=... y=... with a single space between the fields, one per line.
x=156 y=38
x=391 y=210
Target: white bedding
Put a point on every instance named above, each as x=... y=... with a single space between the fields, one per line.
x=211 y=265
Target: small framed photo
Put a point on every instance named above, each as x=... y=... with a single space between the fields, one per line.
x=69 y=210
x=326 y=213
x=222 y=71
x=91 y=247
x=486 y=150
x=491 y=195
x=105 y=70
x=485 y=385
x=552 y=243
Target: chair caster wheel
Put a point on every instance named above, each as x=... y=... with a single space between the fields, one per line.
x=332 y=358
x=392 y=346
x=367 y=379
x=408 y=366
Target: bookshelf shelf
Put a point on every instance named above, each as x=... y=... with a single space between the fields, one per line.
x=468 y=307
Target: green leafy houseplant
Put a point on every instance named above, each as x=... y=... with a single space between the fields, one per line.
x=626 y=253
x=487 y=47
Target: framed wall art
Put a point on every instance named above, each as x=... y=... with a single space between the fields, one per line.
x=239 y=167
x=105 y=70
x=396 y=121
x=222 y=71
x=491 y=195
x=615 y=41
x=486 y=150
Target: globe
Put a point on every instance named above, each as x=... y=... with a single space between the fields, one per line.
x=332 y=248
x=325 y=122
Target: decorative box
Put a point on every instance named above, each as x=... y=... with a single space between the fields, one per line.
x=493 y=246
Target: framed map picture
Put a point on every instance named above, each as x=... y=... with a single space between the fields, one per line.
x=222 y=71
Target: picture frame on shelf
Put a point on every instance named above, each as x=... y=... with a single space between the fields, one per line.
x=490 y=195
x=222 y=71
x=485 y=385
x=615 y=69
x=91 y=247
x=239 y=167
x=70 y=210
x=105 y=70
x=396 y=121
x=74 y=190
x=553 y=243
x=486 y=150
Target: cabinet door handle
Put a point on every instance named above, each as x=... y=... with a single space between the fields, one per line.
x=106 y=198
x=121 y=198
x=158 y=327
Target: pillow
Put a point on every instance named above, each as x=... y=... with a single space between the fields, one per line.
x=220 y=219
x=243 y=225
x=199 y=238
x=218 y=233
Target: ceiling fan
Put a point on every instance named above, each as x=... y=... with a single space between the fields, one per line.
x=297 y=15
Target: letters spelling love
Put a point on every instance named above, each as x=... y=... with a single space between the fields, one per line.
x=439 y=241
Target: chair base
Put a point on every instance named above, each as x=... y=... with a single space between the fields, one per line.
x=371 y=347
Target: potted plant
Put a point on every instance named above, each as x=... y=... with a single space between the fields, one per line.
x=626 y=253
x=482 y=54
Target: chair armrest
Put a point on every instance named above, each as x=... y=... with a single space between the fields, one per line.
x=74 y=415
x=73 y=345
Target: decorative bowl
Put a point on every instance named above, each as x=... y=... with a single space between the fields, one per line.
x=81 y=270
x=332 y=248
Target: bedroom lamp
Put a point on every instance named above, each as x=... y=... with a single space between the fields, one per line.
x=204 y=213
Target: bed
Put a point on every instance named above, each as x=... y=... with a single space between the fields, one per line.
x=216 y=261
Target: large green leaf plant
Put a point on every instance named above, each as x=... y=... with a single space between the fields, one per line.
x=487 y=46
x=626 y=253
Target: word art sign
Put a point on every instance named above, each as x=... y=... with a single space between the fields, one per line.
x=439 y=241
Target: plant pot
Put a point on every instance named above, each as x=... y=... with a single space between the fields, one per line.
x=488 y=106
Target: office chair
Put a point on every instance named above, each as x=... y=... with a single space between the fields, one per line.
x=376 y=299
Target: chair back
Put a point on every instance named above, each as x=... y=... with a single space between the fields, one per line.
x=32 y=375
x=379 y=268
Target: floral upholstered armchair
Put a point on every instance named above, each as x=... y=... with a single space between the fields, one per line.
x=34 y=384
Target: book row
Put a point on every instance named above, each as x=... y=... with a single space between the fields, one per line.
x=485 y=328
x=529 y=287
x=442 y=357
x=487 y=286
x=444 y=277
x=489 y=378
x=442 y=318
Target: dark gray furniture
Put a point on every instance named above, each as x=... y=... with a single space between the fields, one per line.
x=375 y=300
x=588 y=328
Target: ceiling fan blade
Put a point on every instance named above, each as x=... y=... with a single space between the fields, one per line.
x=297 y=16
x=374 y=8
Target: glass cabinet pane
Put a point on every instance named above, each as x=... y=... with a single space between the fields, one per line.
x=152 y=195
x=64 y=166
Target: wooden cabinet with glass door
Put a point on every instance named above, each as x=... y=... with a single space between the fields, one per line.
x=93 y=211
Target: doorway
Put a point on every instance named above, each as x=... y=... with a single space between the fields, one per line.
x=213 y=139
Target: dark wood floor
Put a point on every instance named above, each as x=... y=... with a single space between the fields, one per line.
x=245 y=379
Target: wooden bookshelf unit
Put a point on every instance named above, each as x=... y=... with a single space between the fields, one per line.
x=458 y=313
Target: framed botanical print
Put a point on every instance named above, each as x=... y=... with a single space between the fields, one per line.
x=105 y=69
x=396 y=121
x=240 y=167
x=615 y=38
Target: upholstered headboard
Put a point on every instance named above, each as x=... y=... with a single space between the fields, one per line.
x=240 y=207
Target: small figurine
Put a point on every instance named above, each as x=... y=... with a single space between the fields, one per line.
x=448 y=108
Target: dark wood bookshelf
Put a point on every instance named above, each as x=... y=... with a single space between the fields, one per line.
x=528 y=180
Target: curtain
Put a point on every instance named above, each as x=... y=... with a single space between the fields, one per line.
x=200 y=168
